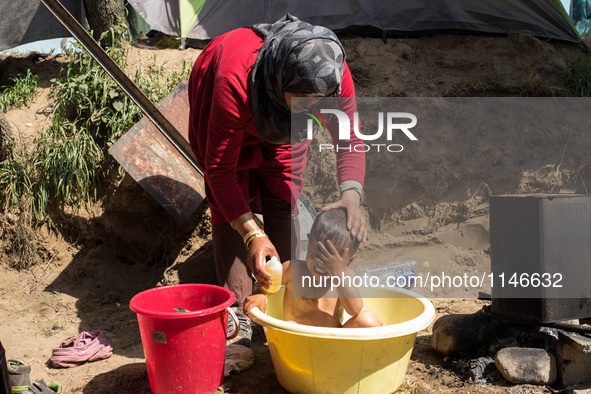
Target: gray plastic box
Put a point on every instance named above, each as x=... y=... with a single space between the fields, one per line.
x=543 y=236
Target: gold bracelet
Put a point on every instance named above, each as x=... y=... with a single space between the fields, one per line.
x=249 y=241
x=252 y=235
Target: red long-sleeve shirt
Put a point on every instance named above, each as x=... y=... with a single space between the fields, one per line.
x=225 y=142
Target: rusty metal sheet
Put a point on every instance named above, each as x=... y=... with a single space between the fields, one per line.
x=157 y=165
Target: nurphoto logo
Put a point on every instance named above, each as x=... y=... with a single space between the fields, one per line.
x=394 y=122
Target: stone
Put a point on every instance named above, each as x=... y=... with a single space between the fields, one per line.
x=574 y=322
x=526 y=365
x=573 y=356
x=584 y=388
x=465 y=335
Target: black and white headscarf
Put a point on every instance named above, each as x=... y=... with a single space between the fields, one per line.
x=296 y=57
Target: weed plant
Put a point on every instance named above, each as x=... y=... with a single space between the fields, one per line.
x=21 y=93
x=90 y=113
x=577 y=79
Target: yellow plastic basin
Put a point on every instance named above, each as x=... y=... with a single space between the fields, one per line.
x=311 y=359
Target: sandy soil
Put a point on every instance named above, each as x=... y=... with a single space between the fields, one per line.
x=96 y=261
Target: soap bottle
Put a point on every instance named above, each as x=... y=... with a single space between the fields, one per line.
x=274 y=268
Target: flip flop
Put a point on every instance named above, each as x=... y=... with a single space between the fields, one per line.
x=40 y=387
x=88 y=346
x=18 y=375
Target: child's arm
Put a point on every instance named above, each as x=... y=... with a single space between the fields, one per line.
x=336 y=265
x=350 y=299
x=259 y=295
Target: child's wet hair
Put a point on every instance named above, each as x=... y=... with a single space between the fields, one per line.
x=332 y=226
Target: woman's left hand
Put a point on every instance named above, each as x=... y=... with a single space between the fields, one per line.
x=356 y=222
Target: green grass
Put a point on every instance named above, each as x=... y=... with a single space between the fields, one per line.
x=90 y=113
x=21 y=93
x=577 y=79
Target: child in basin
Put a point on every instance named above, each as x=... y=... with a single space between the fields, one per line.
x=308 y=297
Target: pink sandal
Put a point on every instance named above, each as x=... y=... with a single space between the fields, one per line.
x=88 y=346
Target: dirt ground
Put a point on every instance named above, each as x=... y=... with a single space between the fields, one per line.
x=438 y=212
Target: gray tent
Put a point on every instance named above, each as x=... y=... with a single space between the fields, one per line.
x=25 y=21
x=205 y=19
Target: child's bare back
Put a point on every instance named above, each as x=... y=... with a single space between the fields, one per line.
x=307 y=298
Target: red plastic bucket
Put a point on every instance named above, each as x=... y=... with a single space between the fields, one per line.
x=184 y=351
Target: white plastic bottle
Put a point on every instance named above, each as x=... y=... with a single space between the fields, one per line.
x=274 y=268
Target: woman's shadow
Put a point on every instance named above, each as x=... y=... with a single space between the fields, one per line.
x=127 y=379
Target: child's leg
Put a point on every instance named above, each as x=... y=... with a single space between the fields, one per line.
x=364 y=319
x=317 y=319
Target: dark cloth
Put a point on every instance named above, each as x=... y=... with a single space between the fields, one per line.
x=296 y=57
x=5 y=387
x=26 y=21
x=281 y=225
x=135 y=22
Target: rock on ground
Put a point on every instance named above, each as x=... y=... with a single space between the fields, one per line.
x=574 y=358
x=526 y=365
x=463 y=335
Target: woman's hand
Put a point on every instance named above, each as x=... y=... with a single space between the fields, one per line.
x=258 y=250
x=356 y=222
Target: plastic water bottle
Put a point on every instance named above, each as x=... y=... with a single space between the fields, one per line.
x=405 y=278
x=396 y=273
x=274 y=268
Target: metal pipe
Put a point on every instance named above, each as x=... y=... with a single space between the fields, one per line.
x=105 y=61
